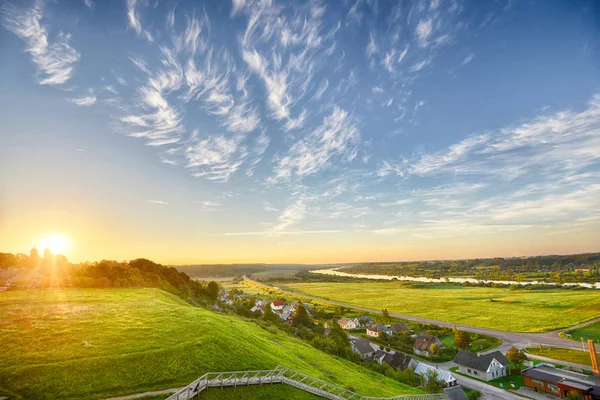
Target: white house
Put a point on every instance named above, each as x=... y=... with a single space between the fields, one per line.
x=445 y=376
x=277 y=305
x=347 y=323
x=486 y=367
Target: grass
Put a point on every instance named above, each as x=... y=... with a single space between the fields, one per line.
x=503 y=382
x=266 y=392
x=98 y=343
x=497 y=308
x=478 y=342
x=569 y=355
x=587 y=332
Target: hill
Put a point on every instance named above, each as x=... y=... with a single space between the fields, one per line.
x=98 y=343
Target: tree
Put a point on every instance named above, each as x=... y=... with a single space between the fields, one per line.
x=301 y=317
x=462 y=340
x=212 y=290
x=386 y=314
x=434 y=350
x=574 y=395
x=432 y=383
x=269 y=315
x=516 y=356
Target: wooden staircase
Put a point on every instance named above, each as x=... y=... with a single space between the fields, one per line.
x=286 y=376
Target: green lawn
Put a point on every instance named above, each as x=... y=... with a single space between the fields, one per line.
x=574 y=356
x=591 y=331
x=266 y=392
x=98 y=343
x=498 y=308
x=478 y=342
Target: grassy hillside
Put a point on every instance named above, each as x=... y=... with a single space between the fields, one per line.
x=96 y=343
x=591 y=331
x=498 y=308
x=569 y=355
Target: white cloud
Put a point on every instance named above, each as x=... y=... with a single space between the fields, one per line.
x=84 y=101
x=467 y=59
x=420 y=65
x=160 y=202
x=336 y=139
x=424 y=30
x=213 y=158
x=134 y=21
x=54 y=58
x=89 y=4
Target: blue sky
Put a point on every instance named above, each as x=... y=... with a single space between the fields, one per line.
x=301 y=131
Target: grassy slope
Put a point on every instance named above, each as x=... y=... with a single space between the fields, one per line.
x=569 y=355
x=266 y=392
x=141 y=340
x=510 y=310
x=591 y=331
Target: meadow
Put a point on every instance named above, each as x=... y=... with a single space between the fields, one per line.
x=518 y=310
x=569 y=355
x=99 y=343
x=587 y=332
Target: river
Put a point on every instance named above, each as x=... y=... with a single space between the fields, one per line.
x=336 y=272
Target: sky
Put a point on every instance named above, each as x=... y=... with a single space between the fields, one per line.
x=300 y=132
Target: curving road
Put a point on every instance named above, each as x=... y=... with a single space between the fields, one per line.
x=509 y=339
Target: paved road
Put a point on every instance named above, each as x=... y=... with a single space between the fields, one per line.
x=509 y=339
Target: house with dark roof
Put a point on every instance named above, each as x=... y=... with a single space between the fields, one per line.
x=396 y=360
x=559 y=382
x=486 y=367
x=399 y=327
x=363 y=347
x=424 y=342
x=365 y=320
x=455 y=393
x=375 y=330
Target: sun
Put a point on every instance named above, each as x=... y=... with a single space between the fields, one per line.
x=56 y=243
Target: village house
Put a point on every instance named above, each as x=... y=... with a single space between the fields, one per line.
x=424 y=342
x=559 y=382
x=396 y=360
x=362 y=347
x=260 y=308
x=455 y=393
x=287 y=317
x=424 y=370
x=375 y=330
x=277 y=305
x=486 y=367
x=400 y=328
x=347 y=323
x=365 y=320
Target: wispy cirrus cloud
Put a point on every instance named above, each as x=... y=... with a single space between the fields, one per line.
x=337 y=138
x=86 y=101
x=159 y=202
x=133 y=18
x=53 y=56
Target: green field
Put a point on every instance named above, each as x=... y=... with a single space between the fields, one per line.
x=591 y=331
x=265 y=392
x=569 y=355
x=496 y=308
x=98 y=343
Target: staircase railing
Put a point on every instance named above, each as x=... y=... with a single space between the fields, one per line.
x=287 y=376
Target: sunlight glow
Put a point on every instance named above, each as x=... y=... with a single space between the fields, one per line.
x=56 y=243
